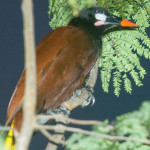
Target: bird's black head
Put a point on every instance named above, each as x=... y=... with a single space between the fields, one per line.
x=99 y=19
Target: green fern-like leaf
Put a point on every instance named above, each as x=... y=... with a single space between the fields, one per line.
x=117 y=82
x=142 y=19
x=127 y=84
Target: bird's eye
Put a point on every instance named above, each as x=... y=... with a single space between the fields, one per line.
x=99 y=12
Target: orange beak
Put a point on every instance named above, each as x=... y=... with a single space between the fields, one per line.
x=126 y=23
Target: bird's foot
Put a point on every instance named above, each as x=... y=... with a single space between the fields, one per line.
x=76 y=93
x=90 y=99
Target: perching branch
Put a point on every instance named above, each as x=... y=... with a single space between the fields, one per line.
x=58 y=134
x=29 y=103
x=50 y=137
x=72 y=121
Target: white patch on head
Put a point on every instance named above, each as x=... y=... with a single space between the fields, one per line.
x=101 y=17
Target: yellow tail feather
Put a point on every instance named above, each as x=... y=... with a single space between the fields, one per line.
x=9 y=142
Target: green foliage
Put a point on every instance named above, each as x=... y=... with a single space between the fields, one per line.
x=134 y=124
x=122 y=49
x=124 y=57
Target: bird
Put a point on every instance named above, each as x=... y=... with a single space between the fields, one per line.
x=64 y=59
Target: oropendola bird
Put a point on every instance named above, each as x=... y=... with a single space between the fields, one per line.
x=64 y=59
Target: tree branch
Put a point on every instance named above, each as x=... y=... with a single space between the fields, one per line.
x=59 y=134
x=5 y=128
x=89 y=133
x=72 y=121
x=29 y=104
x=50 y=137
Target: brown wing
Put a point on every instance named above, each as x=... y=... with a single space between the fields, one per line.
x=64 y=58
x=46 y=51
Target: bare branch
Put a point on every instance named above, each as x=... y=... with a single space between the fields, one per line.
x=99 y=135
x=72 y=121
x=87 y=122
x=29 y=105
x=93 y=75
x=59 y=133
x=51 y=146
x=51 y=137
